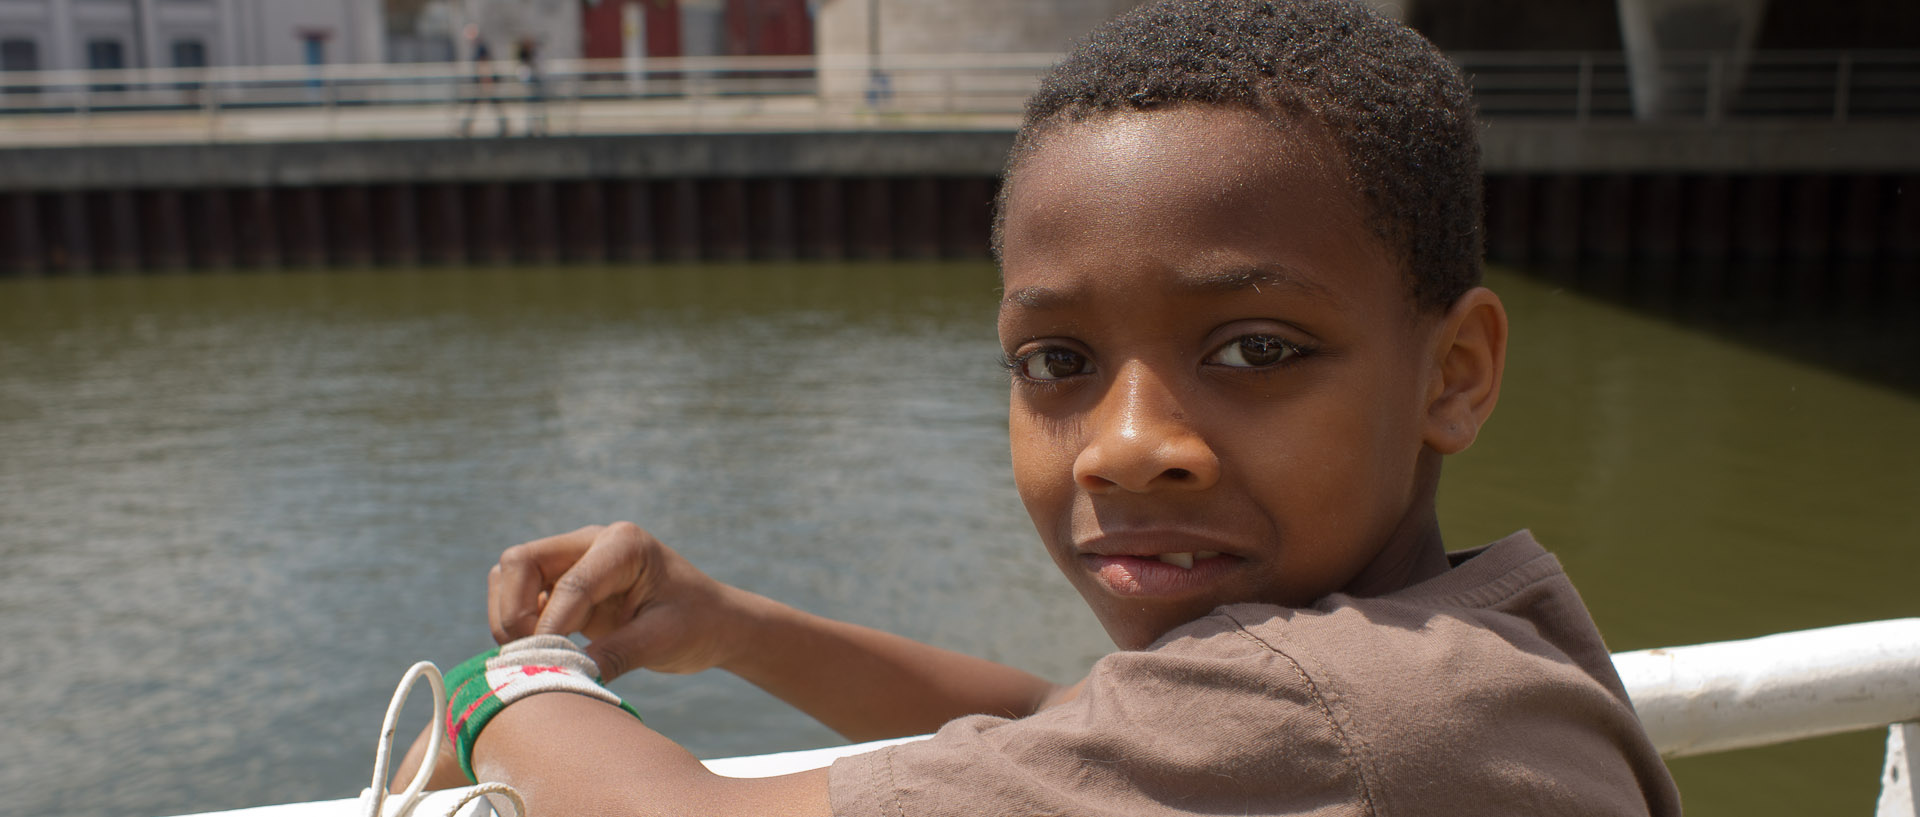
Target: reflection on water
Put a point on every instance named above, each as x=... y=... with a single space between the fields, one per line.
x=233 y=508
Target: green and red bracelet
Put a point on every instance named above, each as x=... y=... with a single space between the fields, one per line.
x=483 y=685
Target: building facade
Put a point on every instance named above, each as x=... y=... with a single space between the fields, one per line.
x=46 y=35
x=696 y=28
x=552 y=27
x=904 y=27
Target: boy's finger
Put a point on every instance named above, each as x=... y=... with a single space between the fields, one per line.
x=621 y=651
x=608 y=569
x=524 y=572
x=503 y=629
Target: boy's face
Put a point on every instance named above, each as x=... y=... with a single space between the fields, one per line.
x=1220 y=382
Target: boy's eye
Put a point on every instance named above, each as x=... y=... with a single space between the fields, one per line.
x=1253 y=351
x=1052 y=364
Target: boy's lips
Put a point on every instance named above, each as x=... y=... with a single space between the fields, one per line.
x=1156 y=565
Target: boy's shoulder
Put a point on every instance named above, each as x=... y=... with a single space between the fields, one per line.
x=1504 y=601
x=1488 y=687
x=1507 y=602
x=1474 y=692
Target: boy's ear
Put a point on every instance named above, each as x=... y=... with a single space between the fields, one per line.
x=1469 y=354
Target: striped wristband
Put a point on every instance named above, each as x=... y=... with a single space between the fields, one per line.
x=483 y=685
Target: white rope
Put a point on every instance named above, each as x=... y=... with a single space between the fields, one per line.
x=373 y=802
x=449 y=803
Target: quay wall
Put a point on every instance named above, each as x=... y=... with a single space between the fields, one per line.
x=1637 y=200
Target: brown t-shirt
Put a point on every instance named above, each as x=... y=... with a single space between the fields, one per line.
x=1483 y=691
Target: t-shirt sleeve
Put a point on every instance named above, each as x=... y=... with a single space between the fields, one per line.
x=1210 y=703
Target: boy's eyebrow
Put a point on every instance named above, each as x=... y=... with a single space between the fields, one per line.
x=1255 y=278
x=1234 y=279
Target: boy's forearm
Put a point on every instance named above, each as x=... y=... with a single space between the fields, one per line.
x=573 y=755
x=867 y=684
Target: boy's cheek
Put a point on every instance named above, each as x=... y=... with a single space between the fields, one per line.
x=1044 y=483
x=1042 y=470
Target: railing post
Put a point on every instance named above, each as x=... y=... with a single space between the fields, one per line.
x=329 y=90
x=80 y=101
x=1896 y=777
x=210 y=104
x=1842 y=88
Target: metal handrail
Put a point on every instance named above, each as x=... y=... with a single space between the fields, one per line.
x=1838 y=86
x=1710 y=698
x=1692 y=699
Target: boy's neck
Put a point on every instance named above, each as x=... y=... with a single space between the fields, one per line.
x=1405 y=563
x=1414 y=552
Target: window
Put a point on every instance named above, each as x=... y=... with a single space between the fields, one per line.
x=189 y=54
x=19 y=55
x=106 y=54
x=316 y=48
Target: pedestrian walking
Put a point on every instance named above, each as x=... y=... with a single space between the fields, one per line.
x=481 y=84
x=527 y=55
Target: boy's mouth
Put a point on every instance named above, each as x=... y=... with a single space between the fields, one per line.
x=1162 y=574
x=1184 y=561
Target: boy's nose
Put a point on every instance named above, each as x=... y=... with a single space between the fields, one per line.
x=1139 y=440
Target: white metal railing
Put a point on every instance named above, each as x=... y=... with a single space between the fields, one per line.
x=1837 y=86
x=1693 y=700
x=1717 y=697
x=1774 y=689
x=1790 y=686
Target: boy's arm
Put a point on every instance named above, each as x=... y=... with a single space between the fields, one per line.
x=570 y=754
x=645 y=606
x=868 y=684
x=642 y=605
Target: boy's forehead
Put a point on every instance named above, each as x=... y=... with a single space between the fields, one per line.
x=1186 y=200
x=1183 y=150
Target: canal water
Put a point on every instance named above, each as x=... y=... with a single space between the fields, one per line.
x=234 y=508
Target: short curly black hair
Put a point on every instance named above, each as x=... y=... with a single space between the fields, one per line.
x=1400 y=112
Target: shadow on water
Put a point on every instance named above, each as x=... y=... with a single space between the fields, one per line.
x=1857 y=317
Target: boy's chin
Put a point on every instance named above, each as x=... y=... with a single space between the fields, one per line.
x=1138 y=629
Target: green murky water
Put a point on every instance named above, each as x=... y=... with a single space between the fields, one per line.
x=233 y=508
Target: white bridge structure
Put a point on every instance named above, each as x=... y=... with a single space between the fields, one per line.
x=1693 y=700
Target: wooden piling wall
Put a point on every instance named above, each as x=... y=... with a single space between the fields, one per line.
x=628 y=221
x=1831 y=239
x=1844 y=237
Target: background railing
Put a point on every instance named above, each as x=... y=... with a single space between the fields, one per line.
x=995 y=83
x=619 y=95
x=1797 y=85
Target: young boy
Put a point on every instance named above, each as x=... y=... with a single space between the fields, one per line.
x=1240 y=243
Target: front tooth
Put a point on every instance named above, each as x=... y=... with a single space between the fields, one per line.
x=1205 y=554
x=1180 y=560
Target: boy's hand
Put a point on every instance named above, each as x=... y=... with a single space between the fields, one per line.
x=640 y=603
x=644 y=606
